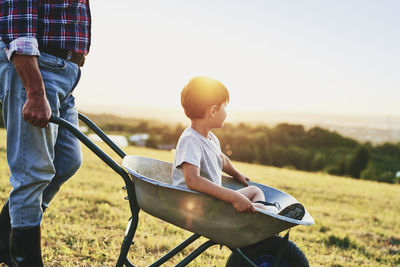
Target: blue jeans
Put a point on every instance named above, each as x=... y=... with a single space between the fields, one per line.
x=40 y=159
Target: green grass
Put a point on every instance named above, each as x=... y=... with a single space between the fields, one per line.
x=357 y=222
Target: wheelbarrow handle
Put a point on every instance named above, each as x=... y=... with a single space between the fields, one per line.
x=97 y=131
x=93 y=147
x=102 y=135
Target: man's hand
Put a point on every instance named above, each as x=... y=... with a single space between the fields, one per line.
x=36 y=109
x=241 y=178
x=241 y=203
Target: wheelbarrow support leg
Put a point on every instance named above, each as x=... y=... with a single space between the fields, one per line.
x=176 y=250
x=126 y=244
x=196 y=253
x=238 y=252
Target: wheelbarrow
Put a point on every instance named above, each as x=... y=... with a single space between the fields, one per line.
x=252 y=237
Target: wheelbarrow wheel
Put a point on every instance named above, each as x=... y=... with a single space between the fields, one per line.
x=263 y=254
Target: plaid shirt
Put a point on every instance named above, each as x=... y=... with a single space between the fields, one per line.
x=27 y=25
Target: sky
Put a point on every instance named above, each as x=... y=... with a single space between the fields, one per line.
x=339 y=57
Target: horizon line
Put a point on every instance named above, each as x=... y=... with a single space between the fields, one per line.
x=269 y=117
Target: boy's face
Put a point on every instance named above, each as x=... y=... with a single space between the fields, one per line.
x=219 y=115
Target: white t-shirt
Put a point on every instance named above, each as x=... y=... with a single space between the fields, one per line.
x=204 y=153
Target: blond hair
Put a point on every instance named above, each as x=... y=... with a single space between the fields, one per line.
x=200 y=93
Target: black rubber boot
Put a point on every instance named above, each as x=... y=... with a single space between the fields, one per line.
x=25 y=250
x=5 y=228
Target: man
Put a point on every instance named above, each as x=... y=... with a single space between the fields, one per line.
x=42 y=47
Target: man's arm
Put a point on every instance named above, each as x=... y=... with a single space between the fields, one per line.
x=20 y=29
x=197 y=183
x=228 y=168
x=36 y=109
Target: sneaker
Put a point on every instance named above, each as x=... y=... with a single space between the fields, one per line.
x=294 y=211
x=275 y=205
x=271 y=209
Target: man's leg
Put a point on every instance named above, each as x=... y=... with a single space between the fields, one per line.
x=5 y=227
x=4 y=214
x=30 y=154
x=68 y=155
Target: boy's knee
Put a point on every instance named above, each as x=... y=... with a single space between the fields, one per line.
x=256 y=190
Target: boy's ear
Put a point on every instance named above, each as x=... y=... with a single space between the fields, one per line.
x=213 y=110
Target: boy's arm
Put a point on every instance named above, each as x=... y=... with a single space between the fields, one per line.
x=228 y=168
x=197 y=183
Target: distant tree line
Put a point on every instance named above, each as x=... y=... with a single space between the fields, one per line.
x=316 y=149
x=285 y=145
x=291 y=146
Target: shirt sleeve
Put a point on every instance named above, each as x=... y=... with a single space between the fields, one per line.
x=24 y=46
x=188 y=150
x=19 y=18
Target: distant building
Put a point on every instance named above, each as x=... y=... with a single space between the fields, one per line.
x=166 y=147
x=139 y=139
x=83 y=128
x=119 y=140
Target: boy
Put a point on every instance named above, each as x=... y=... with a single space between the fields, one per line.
x=198 y=151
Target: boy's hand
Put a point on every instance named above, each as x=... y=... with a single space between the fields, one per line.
x=241 y=178
x=242 y=203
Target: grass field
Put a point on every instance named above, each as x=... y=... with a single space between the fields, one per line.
x=357 y=222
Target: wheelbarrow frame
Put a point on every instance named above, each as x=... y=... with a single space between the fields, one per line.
x=133 y=203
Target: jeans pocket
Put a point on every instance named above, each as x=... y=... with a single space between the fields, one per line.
x=5 y=76
x=50 y=62
x=3 y=55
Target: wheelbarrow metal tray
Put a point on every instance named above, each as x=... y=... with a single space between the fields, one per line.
x=201 y=213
